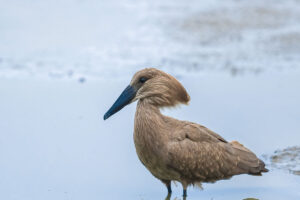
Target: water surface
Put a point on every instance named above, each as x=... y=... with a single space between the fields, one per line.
x=63 y=63
x=55 y=145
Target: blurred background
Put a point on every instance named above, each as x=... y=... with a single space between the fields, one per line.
x=63 y=64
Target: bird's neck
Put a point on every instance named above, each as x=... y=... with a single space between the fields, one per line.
x=149 y=131
x=148 y=120
x=147 y=114
x=149 y=134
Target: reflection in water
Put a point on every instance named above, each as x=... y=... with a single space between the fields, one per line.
x=250 y=199
x=185 y=198
x=168 y=197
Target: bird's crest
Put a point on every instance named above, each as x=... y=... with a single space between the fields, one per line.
x=159 y=88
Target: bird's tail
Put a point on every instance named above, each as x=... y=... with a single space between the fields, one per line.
x=247 y=160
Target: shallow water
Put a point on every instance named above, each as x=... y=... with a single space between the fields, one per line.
x=55 y=144
x=63 y=63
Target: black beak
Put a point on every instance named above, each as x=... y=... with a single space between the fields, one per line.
x=124 y=99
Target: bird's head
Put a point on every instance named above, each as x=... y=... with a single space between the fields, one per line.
x=153 y=86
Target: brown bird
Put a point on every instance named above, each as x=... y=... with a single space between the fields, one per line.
x=179 y=150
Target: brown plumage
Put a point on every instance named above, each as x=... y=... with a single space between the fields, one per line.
x=179 y=150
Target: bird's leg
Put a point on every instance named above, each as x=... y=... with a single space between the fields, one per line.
x=169 y=188
x=184 y=185
x=184 y=193
x=168 y=185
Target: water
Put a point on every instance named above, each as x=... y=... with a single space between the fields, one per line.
x=101 y=39
x=62 y=65
x=55 y=145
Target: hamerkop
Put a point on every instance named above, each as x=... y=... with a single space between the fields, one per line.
x=178 y=150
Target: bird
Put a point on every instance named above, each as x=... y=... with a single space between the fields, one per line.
x=176 y=150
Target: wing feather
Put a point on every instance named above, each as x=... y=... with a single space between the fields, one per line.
x=199 y=154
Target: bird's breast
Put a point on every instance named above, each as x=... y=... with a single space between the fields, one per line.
x=153 y=154
x=147 y=148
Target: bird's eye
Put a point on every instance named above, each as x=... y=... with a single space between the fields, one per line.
x=143 y=80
